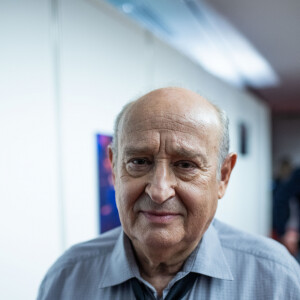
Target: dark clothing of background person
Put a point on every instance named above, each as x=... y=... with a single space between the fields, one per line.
x=284 y=192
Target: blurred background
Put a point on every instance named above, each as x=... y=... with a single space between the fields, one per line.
x=68 y=66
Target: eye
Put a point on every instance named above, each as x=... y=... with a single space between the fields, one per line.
x=138 y=165
x=140 y=161
x=184 y=164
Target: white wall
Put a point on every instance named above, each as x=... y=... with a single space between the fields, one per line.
x=53 y=103
x=29 y=198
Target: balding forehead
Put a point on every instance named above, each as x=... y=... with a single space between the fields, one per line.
x=142 y=118
x=164 y=107
x=162 y=101
x=173 y=92
x=174 y=95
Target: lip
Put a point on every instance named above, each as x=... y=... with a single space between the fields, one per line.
x=159 y=217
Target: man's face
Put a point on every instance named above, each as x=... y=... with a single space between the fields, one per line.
x=166 y=171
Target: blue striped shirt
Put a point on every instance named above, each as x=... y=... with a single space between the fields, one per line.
x=231 y=265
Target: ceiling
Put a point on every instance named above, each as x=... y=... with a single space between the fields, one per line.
x=273 y=27
x=270 y=27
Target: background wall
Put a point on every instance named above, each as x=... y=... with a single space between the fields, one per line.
x=29 y=216
x=286 y=145
x=67 y=67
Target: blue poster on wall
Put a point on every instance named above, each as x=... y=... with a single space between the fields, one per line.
x=108 y=212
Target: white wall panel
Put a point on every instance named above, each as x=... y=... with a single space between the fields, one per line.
x=29 y=214
x=264 y=170
x=249 y=195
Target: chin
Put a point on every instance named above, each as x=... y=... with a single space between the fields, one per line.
x=160 y=239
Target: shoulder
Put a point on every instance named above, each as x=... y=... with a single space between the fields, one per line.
x=255 y=248
x=87 y=252
x=102 y=244
x=79 y=268
x=260 y=267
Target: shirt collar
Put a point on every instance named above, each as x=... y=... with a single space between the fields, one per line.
x=207 y=259
x=121 y=266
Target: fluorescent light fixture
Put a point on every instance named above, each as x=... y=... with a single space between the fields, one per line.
x=127 y=7
x=197 y=30
x=223 y=51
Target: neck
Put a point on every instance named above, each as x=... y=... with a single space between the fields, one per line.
x=159 y=266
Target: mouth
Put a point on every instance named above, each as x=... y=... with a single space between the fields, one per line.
x=159 y=216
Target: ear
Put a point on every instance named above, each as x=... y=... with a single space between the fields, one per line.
x=112 y=162
x=226 y=170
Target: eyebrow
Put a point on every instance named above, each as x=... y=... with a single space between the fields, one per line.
x=132 y=150
x=190 y=154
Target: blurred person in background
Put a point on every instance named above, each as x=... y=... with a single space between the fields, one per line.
x=286 y=207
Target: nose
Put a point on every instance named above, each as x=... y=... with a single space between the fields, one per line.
x=161 y=184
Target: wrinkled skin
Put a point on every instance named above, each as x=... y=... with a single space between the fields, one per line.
x=165 y=174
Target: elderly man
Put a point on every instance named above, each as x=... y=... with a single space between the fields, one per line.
x=170 y=166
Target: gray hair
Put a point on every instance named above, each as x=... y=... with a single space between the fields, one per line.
x=115 y=142
x=223 y=141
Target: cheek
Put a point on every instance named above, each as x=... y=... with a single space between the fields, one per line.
x=128 y=191
x=200 y=199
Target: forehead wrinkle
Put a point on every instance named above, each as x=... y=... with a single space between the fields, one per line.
x=163 y=123
x=133 y=150
x=161 y=130
x=137 y=144
x=172 y=145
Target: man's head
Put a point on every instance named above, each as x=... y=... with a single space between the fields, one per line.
x=166 y=162
x=224 y=130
